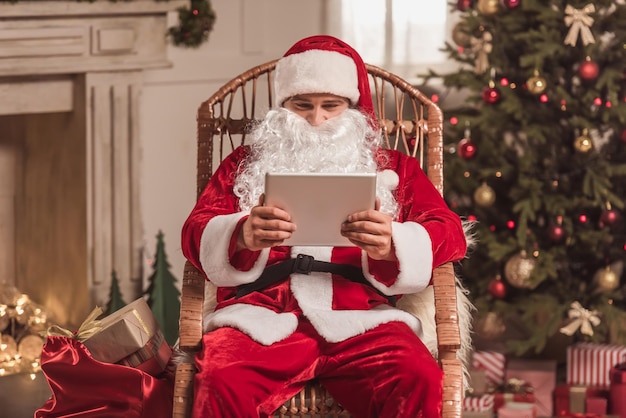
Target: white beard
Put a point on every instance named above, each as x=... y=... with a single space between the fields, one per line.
x=284 y=142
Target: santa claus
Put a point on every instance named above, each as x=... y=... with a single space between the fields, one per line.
x=265 y=339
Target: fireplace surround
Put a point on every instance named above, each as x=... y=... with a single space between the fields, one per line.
x=70 y=87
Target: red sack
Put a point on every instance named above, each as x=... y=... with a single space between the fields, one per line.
x=84 y=387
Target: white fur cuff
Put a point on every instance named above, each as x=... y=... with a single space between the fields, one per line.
x=214 y=257
x=415 y=257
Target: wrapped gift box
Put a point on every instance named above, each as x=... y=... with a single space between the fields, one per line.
x=478 y=382
x=492 y=362
x=572 y=399
x=541 y=376
x=501 y=399
x=487 y=414
x=495 y=401
x=596 y=405
x=518 y=410
x=483 y=403
x=582 y=415
x=618 y=390
x=589 y=364
x=131 y=336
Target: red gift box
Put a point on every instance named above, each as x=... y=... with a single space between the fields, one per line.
x=590 y=415
x=618 y=390
x=589 y=364
x=596 y=405
x=541 y=376
x=572 y=399
x=492 y=362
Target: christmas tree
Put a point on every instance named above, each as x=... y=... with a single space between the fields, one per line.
x=163 y=295
x=115 y=296
x=536 y=154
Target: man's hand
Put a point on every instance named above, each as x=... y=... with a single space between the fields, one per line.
x=370 y=230
x=267 y=226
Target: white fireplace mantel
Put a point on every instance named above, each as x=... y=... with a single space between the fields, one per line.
x=70 y=83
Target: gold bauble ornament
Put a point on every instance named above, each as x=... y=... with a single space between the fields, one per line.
x=518 y=270
x=607 y=279
x=488 y=7
x=583 y=144
x=484 y=195
x=491 y=326
x=461 y=35
x=536 y=84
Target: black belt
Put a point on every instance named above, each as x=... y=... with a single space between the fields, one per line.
x=304 y=264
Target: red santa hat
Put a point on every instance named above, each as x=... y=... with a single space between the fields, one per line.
x=323 y=64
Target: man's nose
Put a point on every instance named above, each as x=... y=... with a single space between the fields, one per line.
x=316 y=116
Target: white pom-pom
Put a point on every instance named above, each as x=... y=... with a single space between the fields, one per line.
x=388 y=178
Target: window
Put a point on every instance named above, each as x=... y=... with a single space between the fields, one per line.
x=403 y=36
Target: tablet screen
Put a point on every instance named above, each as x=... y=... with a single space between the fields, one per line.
x=319 y=203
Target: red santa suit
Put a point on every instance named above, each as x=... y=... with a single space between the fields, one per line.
x=261 y=348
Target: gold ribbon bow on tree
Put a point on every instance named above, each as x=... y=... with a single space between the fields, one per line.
x=88 y=328
x=579 y=22
x=482 y=48
x=581 y=318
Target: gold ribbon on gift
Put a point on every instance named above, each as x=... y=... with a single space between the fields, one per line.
x=515 y=385
x=143 y=325
x=581 y=318
x=482 y=48
x=580 y=23
x=88 y=328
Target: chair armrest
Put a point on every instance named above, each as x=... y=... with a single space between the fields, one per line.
x=448 y=339
x=446 y=312
x=191 y=304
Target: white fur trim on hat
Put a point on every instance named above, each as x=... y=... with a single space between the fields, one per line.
x=316 y=71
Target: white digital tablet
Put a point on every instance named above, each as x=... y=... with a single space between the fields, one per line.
x=320 y=202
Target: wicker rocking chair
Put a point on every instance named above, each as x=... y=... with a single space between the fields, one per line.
x=410 y=122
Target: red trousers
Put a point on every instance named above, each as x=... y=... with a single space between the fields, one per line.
x=386 y=372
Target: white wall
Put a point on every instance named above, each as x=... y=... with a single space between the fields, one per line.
x=246 y=33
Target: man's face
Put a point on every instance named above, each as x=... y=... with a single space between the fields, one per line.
x=316 y=108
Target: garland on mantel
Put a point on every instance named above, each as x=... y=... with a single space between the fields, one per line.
x=195 y=22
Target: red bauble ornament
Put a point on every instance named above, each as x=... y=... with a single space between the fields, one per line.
x=511 y=4
x=491 y=95
x=588 y=70
x=497 y=288
x=623 y=136
x=466 y=149
x=609 y=217
x=556 y=233
x=463 y=5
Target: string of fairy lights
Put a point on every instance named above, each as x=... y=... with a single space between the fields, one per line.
x=21 y=323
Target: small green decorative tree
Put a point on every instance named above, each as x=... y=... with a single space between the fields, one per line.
x=163 y=295
x=115 y=296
